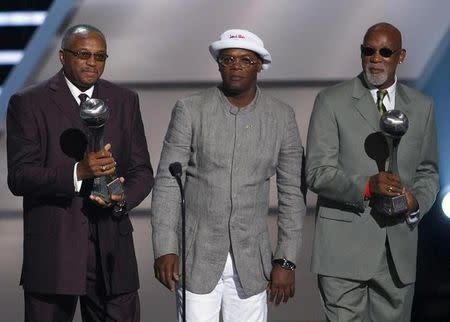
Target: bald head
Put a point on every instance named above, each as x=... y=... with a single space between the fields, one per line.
x=389 y=30
x=79 y=31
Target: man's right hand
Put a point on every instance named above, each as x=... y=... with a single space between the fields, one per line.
x=385 y=183
x=96 y=164
x=167 y=270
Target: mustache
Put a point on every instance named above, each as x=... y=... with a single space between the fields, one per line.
x=90 y=70
x=376 y=65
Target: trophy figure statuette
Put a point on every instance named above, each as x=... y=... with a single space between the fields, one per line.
x=394 y=125
x=95 y=113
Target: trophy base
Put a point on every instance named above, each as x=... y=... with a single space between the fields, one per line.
x=115 y=187
x=390 y=206
x=104 y=187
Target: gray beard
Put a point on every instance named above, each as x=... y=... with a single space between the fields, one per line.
x=375 y=80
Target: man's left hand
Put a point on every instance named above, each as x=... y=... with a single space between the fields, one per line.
x=113 y=198
x=281 y=285
x=413 y=205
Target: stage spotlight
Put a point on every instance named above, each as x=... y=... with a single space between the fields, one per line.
x=446 y=204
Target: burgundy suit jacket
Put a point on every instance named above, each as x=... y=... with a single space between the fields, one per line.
x=45 y=138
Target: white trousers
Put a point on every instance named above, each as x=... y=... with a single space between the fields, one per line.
x=227 y=296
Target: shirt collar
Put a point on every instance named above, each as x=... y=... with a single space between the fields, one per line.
x=390 y=90
x=242 y=110
x=75 y=91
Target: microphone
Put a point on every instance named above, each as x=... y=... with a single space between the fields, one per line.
x=175 y=169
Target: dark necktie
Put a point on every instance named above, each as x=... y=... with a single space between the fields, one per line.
x=380 y=96
x=92 y=222
x=83 y=97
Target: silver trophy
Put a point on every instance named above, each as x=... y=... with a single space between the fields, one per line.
x=394 y=125
x=94 y=113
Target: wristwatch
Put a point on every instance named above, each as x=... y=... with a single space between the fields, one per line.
x=120 y=209
x=284 y=263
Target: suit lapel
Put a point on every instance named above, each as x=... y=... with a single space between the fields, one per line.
x=364 y=103
x=402 y=101
x=101 y=92
x=61 y=95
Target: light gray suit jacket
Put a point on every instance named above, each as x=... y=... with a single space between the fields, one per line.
x=228 y=156
x=350 y=236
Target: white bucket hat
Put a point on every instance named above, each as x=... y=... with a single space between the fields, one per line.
x=244 y=39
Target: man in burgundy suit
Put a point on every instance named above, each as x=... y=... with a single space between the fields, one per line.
x=77 y=245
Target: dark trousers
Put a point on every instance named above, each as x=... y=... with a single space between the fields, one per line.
x=95 y=305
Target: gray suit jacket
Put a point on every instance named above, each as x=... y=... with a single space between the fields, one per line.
x=228 y=156
x=350 y=236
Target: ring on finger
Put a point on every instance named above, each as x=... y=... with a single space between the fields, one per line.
x=103 y=167
x=390 y=188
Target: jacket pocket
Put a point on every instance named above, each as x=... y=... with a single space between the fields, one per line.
x=336 y=214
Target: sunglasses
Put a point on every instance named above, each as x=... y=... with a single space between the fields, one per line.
x=384 y=52
x=244 y=61
x=85 y=55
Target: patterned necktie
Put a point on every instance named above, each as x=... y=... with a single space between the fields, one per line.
x=83 y=97
x=380 y=97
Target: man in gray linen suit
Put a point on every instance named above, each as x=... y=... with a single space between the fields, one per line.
x=366 y=261
x=230 y=140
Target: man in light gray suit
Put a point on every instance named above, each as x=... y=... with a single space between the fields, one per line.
x=230 y=140
x=366 y=261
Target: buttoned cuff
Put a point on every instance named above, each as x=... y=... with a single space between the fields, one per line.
x=76 y=183
x=413 y=218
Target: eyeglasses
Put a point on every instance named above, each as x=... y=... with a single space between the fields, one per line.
x=384 y=52
x=244 y=61
x=85 y=55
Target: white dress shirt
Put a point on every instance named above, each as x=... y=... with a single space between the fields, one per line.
x=75 y=93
